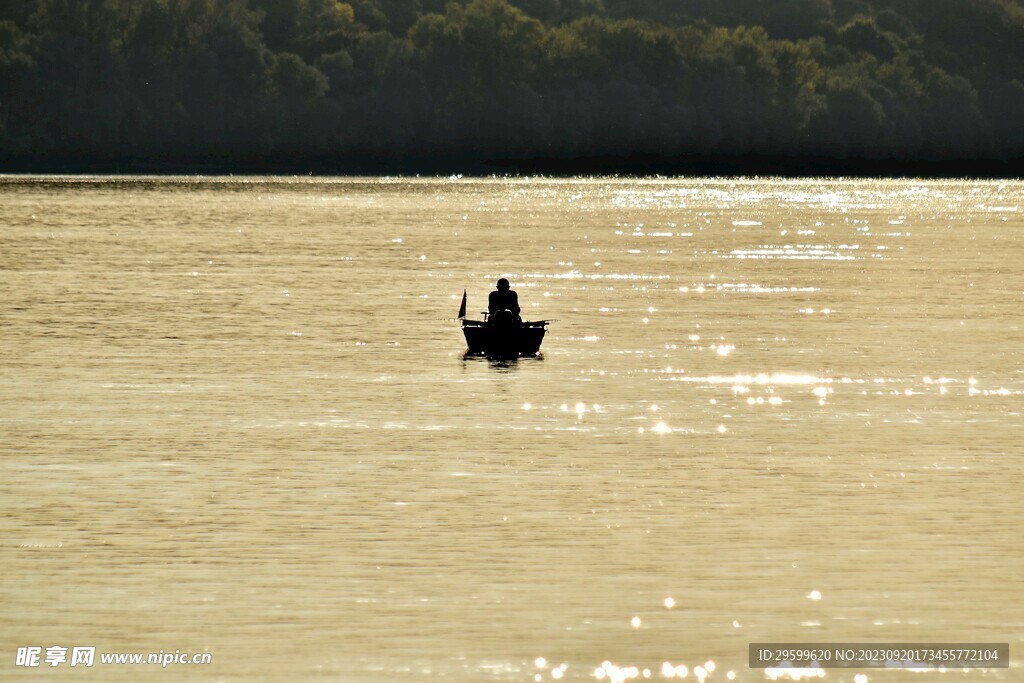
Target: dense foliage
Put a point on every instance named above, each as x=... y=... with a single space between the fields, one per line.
x=326 y=82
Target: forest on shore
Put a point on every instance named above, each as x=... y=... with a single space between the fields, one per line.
x=560 y=85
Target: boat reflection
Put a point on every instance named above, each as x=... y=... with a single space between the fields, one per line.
x=498 y=363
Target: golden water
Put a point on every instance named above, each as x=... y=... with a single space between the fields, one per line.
x=235 y=418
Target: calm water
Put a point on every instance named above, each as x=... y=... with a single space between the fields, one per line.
x=235 y=418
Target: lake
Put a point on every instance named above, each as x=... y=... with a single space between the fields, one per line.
x=235 y=418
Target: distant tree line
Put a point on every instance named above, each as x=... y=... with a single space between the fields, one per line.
x=327 y=83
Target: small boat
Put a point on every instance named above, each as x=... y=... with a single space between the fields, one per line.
x=503 y=335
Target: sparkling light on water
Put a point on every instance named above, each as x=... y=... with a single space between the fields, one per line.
x=252 y=389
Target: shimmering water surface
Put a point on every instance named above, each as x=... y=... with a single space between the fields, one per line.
x=235 y=418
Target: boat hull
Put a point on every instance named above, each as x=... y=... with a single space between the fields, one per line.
x=496 y=341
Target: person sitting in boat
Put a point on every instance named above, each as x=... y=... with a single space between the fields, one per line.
x=504 y=299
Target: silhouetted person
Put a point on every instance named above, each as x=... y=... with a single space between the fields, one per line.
x=503 y=299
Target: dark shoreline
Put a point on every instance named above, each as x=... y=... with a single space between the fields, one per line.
x=693 y=166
